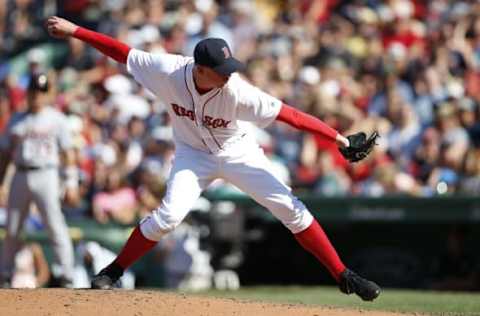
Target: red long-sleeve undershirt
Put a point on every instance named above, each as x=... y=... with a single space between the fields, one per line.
x=107 y=45
x=305 y=122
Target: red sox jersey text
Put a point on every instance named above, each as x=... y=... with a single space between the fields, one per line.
x=207 y=120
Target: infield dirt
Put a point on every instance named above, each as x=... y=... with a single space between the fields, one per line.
x=53 y=302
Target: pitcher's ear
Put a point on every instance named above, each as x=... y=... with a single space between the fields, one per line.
x=201 y=69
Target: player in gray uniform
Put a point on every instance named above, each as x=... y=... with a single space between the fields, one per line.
x=37 y=142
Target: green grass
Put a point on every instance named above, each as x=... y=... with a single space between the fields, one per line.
x=425 y=302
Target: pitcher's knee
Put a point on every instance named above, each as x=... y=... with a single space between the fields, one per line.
x=293 y=214
x=299 y=222
x=159 y=223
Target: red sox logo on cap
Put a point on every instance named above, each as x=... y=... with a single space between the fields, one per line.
x=226 y=52
x=216 y=54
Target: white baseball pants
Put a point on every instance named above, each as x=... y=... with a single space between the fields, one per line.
x=193 y=170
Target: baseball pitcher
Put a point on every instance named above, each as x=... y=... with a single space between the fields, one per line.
x=37 y=142
x=210 y=105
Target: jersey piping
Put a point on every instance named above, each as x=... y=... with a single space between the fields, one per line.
x=203 y=111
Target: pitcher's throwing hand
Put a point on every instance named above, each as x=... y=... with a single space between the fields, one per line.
x=59 y=27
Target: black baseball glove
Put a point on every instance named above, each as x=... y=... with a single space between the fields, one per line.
x=359 y=147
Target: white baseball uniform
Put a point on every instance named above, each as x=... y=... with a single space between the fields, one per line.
x=36 y=140
x=212 y=139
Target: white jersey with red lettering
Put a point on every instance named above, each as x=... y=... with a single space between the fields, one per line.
x=211 y=134
x=213 y=121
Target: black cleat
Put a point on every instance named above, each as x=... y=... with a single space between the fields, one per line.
x=60 y=282
x=350 y=282
x=108 y=278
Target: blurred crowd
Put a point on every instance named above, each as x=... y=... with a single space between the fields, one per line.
x=407 y=68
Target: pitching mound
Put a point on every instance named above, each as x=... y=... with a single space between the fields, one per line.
x=54 y=302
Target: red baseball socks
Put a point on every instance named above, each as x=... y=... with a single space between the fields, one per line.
x=314 y=240
x=136 y=246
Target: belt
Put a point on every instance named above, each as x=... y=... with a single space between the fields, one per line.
x=24 y=168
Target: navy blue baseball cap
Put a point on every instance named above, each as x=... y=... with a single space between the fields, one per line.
x=215 y=53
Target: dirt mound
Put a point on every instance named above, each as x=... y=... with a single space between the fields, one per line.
x=52 y=302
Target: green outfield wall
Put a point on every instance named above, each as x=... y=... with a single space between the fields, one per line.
x=396 y=240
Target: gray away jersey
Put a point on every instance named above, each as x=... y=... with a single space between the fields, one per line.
x=38 y=138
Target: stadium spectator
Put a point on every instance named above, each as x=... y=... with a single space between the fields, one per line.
x=31 y=268
x=115 y=201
